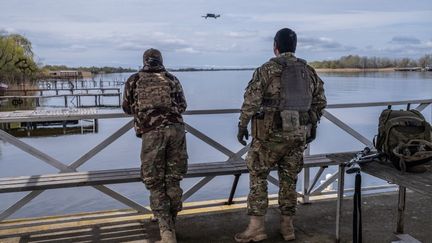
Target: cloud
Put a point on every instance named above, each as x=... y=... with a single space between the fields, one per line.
x=242 y=34
x=321 y=44
x=400 y=47
x=404 y=40
x=346 y=20
x=77 y=48
x=188 y=50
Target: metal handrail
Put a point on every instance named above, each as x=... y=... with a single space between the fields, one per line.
x=6 y=117
x=22 y=116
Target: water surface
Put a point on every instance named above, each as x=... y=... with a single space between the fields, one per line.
x=203 y=90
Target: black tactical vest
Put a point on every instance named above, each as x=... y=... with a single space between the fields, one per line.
x=295 y=92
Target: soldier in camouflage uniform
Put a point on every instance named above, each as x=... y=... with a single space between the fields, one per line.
x=155 y=98
x=284 y=100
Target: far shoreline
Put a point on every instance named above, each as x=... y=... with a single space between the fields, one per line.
x=353 y=70
x=320 y=70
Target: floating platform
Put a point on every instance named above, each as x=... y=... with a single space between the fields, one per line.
x=46 y=127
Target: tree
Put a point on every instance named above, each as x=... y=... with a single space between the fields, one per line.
x=16 y=58
x=425 y=61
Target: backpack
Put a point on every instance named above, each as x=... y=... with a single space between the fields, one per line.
x=404 y=138
x=153 y=91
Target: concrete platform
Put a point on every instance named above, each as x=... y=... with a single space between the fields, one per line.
x=211 y=221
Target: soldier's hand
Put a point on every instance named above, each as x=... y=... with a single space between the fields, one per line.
x=242 y=133
x=312 y=135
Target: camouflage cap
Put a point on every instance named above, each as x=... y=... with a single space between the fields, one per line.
x=152 y=55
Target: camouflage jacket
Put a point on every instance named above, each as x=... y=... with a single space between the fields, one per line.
x=149 y=119
x=265 y=84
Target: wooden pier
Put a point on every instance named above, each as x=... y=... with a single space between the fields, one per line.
x=70 y=176
x=98 y=99
x=219 y=223
x=78 y=83
x=57 y=91
x=46 y=127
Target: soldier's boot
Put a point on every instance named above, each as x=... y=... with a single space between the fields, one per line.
x=254 y=232
x=287 y=228
x=167 y=236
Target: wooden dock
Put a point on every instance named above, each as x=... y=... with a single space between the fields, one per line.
x=234 y=165
x=50 y=127
x=57 y=91
x=219 y=223
x=98 y=99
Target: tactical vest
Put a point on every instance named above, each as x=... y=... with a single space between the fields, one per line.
x=289 y=112
x=153 y=91
x=295 y=92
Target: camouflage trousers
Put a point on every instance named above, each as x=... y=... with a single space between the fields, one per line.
x=287 y=156
x=163 y=164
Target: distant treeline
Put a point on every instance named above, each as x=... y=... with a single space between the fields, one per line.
x=94 y=70
x=206 y=69
x=355 y=61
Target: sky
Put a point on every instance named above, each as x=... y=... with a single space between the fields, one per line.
x=117 y=32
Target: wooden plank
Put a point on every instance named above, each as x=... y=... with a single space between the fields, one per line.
x=405 y=238
x=419 y=182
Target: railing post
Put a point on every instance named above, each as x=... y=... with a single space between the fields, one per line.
x=401 y=210
x=341 y=185
x=233 y=189
x=306 y=180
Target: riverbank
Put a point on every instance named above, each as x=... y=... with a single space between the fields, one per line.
x=353 y=70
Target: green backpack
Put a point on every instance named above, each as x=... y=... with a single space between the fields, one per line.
x=404 y=137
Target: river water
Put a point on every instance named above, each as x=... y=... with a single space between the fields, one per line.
x=204 y=90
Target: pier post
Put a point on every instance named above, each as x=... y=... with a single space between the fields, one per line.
x=64 y=127
x=401 y=210
x=65 y=101
x=96 y=126
x=341 y=185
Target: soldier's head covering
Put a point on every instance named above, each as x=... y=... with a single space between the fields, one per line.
x=285 y=40
x=152 y=57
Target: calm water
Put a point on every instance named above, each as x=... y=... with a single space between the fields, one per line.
x=204 y=90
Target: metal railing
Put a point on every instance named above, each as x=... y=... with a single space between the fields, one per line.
x=309 y=188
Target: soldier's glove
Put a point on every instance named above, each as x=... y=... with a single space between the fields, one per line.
x=242 y=132
x=312 y=135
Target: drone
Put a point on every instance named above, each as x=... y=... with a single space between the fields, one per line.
x=211 y=15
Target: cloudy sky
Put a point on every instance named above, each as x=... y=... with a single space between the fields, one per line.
x=116 y=32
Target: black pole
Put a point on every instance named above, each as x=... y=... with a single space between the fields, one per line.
x=233 y=189
x=357 y=219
